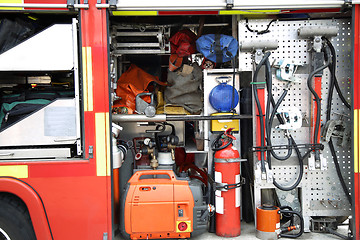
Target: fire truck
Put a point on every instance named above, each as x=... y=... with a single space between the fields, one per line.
x=158 y=119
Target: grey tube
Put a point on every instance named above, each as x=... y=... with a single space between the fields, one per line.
x=249 y=46
x=164 y=118
x=323 y=31
x=138 y=118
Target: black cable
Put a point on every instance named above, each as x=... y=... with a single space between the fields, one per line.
x=333 y=80
x=332 y=69
x=269 y=121
x=330 y=230
x=215 y=146
x=301 y=224
x=268 y=127
x=318 y=104
x=257 y=31
x=258 y=105
x=338 y=171
x=301 y=169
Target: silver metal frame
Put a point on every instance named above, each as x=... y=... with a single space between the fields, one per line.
x=156 y=5
x=77 y=86
x=41 y=5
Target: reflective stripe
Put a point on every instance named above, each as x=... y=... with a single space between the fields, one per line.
x=18 y=171
x=247 y=12
x=102 y=148
x=107 y=136
x=87 y=78
x=10 y=2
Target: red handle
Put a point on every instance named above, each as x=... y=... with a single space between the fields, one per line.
x=228 y=133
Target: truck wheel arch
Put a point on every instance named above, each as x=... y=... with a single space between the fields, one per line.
x=33 y=203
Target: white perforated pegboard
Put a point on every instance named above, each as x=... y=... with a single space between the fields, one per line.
x=321 y=192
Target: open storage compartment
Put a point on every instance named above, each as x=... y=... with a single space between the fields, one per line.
x=39 y=83
x=160 y=135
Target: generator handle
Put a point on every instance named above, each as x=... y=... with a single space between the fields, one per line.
x=136 y=177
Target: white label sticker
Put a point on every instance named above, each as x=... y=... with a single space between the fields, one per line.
x=237 y=192
x=218 y=177
x=277 y=225
x=219 y=205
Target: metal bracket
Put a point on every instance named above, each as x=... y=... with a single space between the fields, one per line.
x=337 y=129
x=317 y=43
x=258 y=55
x=260 y=177
x=292 y=117
x=317 y=165
x=71 y=4
x=224 y=187
x=287 y=68
x=112 y=4
x=229 y=4
x=91 y=152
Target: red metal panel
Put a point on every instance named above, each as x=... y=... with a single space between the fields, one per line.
x=76 y=206
x=356 y=30
x=94 y=35
x=261 y=94
x=63 y=169
x=32 y=202
x=46 y=2
x=317 y=88
x=89 y=129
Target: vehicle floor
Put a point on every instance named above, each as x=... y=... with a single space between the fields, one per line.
x=248 y=233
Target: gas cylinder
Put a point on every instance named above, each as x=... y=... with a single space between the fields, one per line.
x=227 y=194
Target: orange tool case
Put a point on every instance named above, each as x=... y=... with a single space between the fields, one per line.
x=158 y=204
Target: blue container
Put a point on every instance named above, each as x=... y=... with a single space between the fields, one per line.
x=224 y=97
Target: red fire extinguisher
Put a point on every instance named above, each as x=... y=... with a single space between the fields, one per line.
x=227 y=178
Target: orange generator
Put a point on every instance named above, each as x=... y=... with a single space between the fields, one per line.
x=159 y=204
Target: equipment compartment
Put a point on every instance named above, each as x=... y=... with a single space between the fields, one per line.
x=157 y=128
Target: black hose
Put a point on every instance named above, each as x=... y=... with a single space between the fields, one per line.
x=215 y=146
x=330 y=230
x=332 y=69
x=258 y=105
x=301 y=169
x=301 y=224
x=269 y=121
x=268 y=138
x=318 y=105
x=333 y=82
x=338 y=171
